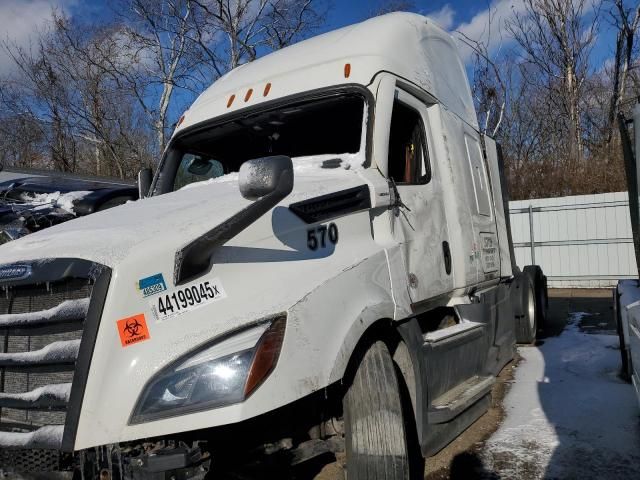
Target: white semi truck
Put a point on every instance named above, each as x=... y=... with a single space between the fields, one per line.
x=322 y=263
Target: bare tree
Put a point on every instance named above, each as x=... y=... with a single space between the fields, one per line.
x=627 y=22
x=99 y=93
x=232 y=33
x=557 y=37
x=489 y=88
x=186 y=44
x=158 y=40
x=65 y=83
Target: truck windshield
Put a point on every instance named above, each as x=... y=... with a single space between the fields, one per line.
x=326 y=126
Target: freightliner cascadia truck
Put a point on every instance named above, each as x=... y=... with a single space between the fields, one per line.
x=321 y=264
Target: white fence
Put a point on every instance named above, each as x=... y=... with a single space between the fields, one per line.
x=579 y=241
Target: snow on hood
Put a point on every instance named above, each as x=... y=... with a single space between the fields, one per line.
x=108 y=237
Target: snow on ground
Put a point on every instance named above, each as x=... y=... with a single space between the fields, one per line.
x=568 y=415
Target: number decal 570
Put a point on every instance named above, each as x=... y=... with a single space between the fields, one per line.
x=318 y=237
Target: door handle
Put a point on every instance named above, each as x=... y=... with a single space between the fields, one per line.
x=446 y=252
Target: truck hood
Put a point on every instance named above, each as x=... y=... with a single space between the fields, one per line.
x=177 y=218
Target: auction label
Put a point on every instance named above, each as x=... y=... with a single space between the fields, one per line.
x=152 y=285
x=187 y=299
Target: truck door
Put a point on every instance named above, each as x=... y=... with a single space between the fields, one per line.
x=419 y=224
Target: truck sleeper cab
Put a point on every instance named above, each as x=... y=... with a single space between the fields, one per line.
x=323 y=263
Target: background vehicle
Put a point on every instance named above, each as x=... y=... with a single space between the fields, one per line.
x=33 y=200
x=627 y=293
x=324 y=263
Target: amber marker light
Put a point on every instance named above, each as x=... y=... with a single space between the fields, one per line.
x=267 y=89
x=347 y=70
x=180 y=121
x=248 y=95
x=231 y=99
x=266 y=356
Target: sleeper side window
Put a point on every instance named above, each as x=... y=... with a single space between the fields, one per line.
x=478 y=175
x=408 y=154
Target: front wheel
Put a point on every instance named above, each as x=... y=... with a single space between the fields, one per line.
x=375 y=433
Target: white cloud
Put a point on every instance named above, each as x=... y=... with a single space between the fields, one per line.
x=443 y=17
x=489 y=26
x=21 y=19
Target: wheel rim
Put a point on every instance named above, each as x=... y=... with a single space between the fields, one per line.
x=531 y=309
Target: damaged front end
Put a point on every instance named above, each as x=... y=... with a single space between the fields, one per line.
x=50 y=312
x=49 y=316
x=150 y=460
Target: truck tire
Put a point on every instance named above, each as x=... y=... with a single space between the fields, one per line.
x=524 y=309
x=539 y=282
x=375 y=434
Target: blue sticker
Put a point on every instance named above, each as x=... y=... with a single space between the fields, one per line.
x=152 y=285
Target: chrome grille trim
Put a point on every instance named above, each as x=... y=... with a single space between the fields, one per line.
x=44 y=437
x=66 y=311
x=47 y=397
x=56 y=353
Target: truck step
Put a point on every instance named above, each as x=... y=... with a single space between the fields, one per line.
x=464 y=330
x=453 y=402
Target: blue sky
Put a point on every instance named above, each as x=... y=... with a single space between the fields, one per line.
x=22 y=17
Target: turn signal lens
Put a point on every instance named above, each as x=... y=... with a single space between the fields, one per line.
x=347 y=70
x=266 y=356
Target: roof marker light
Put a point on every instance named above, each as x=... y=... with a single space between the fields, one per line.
x=267 y=89
x=347 y=70
x=231 y=99
x=248 y=95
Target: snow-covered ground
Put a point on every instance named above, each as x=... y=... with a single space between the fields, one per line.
x=568 y=415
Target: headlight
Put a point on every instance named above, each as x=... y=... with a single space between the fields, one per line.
x=218 y=374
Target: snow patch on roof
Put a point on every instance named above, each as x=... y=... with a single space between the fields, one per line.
x=64 y=201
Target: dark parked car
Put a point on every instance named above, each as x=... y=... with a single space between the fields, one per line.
x=30 y=202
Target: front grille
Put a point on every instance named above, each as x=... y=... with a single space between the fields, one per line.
x=43 y=338
x=27 y=461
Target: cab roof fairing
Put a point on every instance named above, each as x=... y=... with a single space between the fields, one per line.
x=405 y=44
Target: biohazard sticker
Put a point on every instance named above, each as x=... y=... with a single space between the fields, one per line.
x=133 y=330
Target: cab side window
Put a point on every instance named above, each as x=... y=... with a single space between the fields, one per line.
x=408 y=154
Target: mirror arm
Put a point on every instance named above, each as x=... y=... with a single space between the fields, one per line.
x=193 y=259
x=145 y=178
